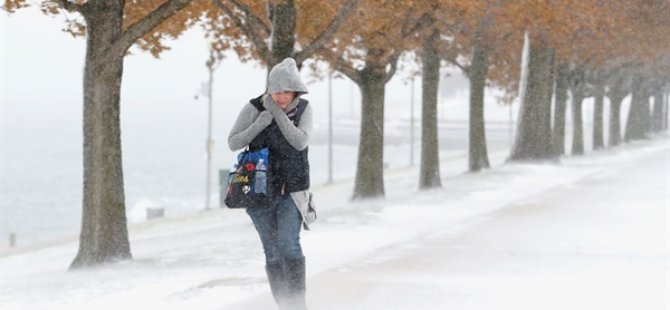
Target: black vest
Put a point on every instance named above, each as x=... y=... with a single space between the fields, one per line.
x=289 y=168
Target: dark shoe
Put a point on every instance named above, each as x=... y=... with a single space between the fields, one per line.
x=295 y=280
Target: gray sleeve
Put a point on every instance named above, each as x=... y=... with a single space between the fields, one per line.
x=247 y=126
x=297 y=137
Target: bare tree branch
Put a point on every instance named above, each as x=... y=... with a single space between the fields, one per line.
x=70 y=6
x=394 y=66
x=257 y=39
x=453 y=61
x=255 y=20
x=426 y=20
x=147 y=24
x=347 y=69
x=328 y=33
x=342 y=65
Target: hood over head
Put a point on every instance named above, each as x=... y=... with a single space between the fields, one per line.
x=285 y=77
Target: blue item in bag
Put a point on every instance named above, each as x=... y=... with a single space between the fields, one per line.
x=247 y=185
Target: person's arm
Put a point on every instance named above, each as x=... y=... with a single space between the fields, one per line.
x=248 y=125
x=297 y=136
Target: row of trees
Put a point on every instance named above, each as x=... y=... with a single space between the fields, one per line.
x=602 y=49
x=587 y=48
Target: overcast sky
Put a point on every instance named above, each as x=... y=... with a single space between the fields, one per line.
x=42 y=71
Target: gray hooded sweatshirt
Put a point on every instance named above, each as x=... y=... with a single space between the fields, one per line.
x=283 y=77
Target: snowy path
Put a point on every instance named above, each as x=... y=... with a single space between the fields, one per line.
x=589 y=233
x=583 y=245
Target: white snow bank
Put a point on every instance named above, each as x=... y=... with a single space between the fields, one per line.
x=213 y=260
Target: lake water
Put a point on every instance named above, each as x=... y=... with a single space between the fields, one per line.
x=164 y=165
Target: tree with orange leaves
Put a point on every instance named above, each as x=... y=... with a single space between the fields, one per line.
x=480 y=35
x=270 y=31
x=556 y=32
x=539 y=20
x=588 y=68
x=659 y=90
x=366 y=50
x=650 y=52
x=616 y=26
x=111 y=28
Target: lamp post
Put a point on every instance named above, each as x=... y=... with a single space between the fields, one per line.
x=212 y=63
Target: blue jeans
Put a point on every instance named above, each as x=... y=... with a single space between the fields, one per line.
x=278 y=226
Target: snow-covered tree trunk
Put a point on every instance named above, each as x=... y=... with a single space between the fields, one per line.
x=637 y=124
x=561 y=98
x=429 y=176
x=666 y=107
x=615 y=121
x=657 y=114
x=104 y=234
x=577 y=88
x=577 y=126
x=369 y=181
x=533 y=137
x=478 y=155
x=598 y=139
x=616 y=93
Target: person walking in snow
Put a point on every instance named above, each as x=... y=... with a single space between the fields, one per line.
x=281 y=121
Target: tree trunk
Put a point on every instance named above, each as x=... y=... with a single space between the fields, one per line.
x=284 y=17
x=561 y=97
x=369 y=181
x=533 y=138
x=657 y=114
x=616 y=94
x=429 y=176
x=615 y=121
x=478 y=157
x=577 y=87
x=577 y=124
x=666 y=106
x=104 y=233
x=646 y=113
x=598 y=139
x=638 y=115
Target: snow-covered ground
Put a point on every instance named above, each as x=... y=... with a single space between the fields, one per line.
x=588 y=233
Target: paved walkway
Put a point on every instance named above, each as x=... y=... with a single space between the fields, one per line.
x=600 y=243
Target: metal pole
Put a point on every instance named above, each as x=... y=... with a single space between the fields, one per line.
x=210 y=143
x=330 y=127
x=411 y=127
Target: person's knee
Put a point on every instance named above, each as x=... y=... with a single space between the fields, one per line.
x=290 y=249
